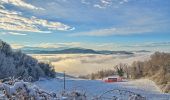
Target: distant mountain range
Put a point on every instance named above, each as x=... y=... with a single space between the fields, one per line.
x=64 y=50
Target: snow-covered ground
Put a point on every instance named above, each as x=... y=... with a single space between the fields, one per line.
x=93 y=88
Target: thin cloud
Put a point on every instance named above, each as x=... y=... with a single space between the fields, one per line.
x=99 y=6
x=12 y=33
x=102 y=4
x=20 y=3
x=55 y=45
x=11 y=20
x=149 y=44
x=85 y=2
x=16 y=46
x=114 y=31
x=15 y=33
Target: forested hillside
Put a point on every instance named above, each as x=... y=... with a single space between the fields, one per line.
x=19 y=65
x=157 y=69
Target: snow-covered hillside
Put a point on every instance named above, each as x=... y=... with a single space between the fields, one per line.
x=94 y=88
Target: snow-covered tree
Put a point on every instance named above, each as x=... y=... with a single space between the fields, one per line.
x=17 y=64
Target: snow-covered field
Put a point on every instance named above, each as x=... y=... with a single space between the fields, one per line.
x=93 y=88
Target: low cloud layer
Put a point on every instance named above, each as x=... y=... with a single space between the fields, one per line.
x=82 y=64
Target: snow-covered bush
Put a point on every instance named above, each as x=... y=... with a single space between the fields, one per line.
x=73 y=95
x=20 y=90
x=117 y=94
x=136 y=97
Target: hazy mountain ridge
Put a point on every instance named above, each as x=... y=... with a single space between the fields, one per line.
x=73 y=51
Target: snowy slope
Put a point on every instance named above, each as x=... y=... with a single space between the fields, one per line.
x=144 y=87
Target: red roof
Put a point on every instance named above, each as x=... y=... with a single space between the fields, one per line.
x=114 y=79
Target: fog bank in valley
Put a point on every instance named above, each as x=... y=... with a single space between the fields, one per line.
x=82 y=64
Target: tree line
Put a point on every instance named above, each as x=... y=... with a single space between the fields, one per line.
x=156 y=69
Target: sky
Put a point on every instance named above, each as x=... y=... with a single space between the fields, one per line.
x=93 y=24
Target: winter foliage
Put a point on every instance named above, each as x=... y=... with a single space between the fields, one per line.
x=17 y=64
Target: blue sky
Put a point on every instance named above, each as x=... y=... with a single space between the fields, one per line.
x=95 y=24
